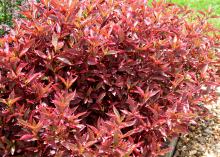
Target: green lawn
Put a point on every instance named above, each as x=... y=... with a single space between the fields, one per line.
x=201 y=5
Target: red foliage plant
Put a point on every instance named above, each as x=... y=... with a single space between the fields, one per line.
x=104 y=78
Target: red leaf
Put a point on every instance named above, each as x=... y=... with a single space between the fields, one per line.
x=27 y=137
x=40 y=54
x=68 y=82
x=33 y=77
x=64 y=60
x=92 y=60
x=55 y=41
x=100 y=97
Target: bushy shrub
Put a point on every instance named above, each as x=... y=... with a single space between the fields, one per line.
x=104 y=78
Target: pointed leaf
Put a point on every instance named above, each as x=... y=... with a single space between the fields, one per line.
x=64 y=60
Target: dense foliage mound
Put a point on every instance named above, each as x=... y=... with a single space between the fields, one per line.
x=96 y=78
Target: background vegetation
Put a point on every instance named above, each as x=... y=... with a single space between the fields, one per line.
x=7 y=11
x=201 y=5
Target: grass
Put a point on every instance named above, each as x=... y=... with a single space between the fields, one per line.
x=203 y=5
